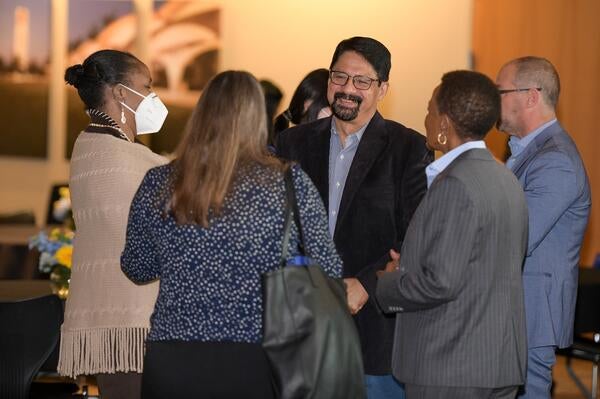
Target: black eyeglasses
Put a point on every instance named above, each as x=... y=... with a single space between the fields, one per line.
x=359 y=81
x=506 y=91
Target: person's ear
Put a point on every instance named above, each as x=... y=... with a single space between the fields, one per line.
x=444 y=123
x=382 y=90
x=118 y=92
x=533 y=98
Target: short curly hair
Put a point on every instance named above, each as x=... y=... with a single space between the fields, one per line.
x=472 y=102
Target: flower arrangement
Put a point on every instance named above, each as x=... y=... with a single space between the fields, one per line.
x=56 y=250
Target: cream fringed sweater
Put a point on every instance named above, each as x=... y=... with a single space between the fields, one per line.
x=106 y=315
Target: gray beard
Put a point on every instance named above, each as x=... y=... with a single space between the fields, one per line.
x=504 y=127
x=344 y=114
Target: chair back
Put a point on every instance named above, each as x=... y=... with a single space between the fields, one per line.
x=29 y=332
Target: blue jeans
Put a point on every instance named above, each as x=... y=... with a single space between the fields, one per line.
x=383 y=387
x=539 y=373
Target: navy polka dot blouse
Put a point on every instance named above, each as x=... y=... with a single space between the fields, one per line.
x=210 y=278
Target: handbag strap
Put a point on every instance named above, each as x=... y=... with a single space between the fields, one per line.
x=291 y=209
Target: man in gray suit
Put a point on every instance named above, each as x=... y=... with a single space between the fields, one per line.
x=458 y=294
x=548 y=165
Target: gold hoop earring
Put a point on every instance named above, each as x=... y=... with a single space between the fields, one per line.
x=123 y=118
x=442 y=139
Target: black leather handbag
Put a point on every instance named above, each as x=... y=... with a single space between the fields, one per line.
x=309 y=335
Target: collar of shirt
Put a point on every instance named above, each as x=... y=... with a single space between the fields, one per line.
x=354 y=137
x=517 y=145
x=438 y=166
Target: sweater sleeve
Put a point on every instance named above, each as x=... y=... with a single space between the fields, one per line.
x=318 y=244
x=139 y=260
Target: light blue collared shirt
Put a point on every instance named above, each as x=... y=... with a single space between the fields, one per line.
x=340 y=160
x=517 y=145
x=438 y=166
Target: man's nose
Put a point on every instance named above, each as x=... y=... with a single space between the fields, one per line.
x=349 y=87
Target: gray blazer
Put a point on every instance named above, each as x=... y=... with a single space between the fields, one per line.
x=459 y=294
x=558 y=197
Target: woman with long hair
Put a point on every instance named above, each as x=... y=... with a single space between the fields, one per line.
x=308 y=103
x=208 y=226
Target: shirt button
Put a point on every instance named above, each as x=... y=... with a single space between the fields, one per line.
x=341 y=156
x=337 y=184
x=333 y=212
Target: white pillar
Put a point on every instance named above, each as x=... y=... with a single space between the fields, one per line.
x=143 y=10
x=57 y=96
x=21 y=44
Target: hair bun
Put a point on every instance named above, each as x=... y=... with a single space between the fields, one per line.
x=73 y=74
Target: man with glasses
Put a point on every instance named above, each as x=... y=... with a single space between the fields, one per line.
x=546 y=161
x=370 y=173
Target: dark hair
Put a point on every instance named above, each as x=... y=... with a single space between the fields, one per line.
x=371 y=50
x=102 y=68
x=312 y=88
x=273 y=96
x=471 y=101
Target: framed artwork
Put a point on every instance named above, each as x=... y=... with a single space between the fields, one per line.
x=184 y=55
x=24 y=66
x=183 y=51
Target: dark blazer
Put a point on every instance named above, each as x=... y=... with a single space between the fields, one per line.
x=558 y=196
x=385 y=184
x=459 y=294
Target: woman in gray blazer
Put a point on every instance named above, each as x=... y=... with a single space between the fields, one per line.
x=457 y=290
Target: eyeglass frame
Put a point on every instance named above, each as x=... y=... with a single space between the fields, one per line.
x=348 y=76
x=506 y=91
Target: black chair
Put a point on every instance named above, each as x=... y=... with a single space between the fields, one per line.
x=29 y=332
x=584 y=349
x=587 y=323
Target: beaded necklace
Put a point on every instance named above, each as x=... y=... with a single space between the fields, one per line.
x=102 y=123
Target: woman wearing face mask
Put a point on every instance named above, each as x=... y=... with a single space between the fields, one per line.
x=106 y=315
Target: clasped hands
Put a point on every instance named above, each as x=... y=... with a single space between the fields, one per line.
x=356 y=294
x=392 y=266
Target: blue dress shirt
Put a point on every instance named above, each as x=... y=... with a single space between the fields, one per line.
x=438 y=166
x=517 y=145
x=340 y=160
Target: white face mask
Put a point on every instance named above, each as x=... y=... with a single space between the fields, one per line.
x=150 y=114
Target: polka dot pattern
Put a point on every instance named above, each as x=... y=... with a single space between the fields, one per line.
x=210 y=278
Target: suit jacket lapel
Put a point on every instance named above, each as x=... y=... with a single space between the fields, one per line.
x=533 y=148
x=318 y=159
x=373 y=141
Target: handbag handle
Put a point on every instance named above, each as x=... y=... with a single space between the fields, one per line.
x=291 y=209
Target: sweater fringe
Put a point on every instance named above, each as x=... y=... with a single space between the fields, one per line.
x=102 y=350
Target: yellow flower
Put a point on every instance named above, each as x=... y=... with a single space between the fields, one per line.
x=64 y=192
x=64 y=255
x=54 y=234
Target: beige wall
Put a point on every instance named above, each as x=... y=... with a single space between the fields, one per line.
x=282 y=40
x=568 y=34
